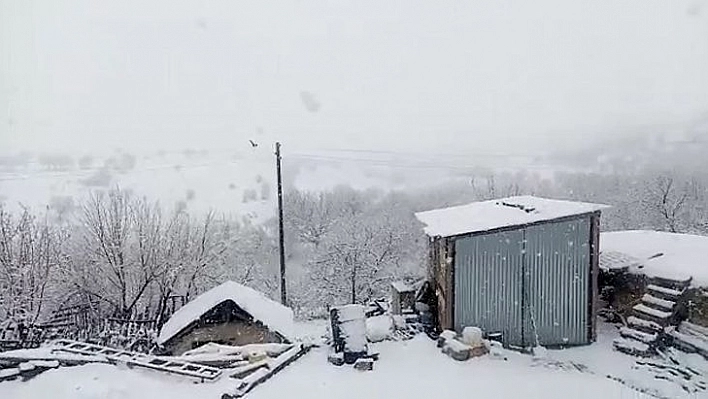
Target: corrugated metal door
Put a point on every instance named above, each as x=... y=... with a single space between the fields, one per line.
x=488 y=277
x=557 y=283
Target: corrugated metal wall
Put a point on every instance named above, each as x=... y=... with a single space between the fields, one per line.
x=557 y=281
x=526 y=282
x=488 y=271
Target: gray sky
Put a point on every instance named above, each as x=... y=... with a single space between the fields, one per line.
x=407 y=75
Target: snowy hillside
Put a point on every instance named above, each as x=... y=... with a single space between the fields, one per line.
x=229 y=181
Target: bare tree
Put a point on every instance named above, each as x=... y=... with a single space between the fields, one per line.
x=31 y=253
x=667 y=199
x=310 y=216
x=362 y=248
x=120 y=254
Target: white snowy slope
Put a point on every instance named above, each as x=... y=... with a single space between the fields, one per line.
x=272 y=314
x=504 y=212
x=683 y=256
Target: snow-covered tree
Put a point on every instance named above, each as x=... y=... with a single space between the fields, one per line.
x=32 y=253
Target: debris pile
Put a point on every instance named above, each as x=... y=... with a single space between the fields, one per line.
x=258 y=366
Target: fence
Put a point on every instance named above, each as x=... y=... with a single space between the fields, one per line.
x=84 y=322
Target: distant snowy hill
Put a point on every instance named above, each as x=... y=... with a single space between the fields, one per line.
x=232 y=182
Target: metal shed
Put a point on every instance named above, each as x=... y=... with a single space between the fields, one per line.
x=524 y=268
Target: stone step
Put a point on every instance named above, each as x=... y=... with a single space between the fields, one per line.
x=632 y=347
x=674 y=283
x=664 y=292
x=644 y=325
x=655 y=302
x=693 y=329
x=631 y=333
x=689 y=343
x=647 y=313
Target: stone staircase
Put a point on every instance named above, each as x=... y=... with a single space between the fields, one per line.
x=661 y=306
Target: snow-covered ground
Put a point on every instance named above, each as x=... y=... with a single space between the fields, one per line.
x=412 y=369
x=661 y=254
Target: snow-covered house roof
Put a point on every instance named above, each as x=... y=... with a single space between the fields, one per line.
x=660 y=254
x=272 y=314
x=504 y=212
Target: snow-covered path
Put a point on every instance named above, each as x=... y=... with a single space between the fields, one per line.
x=411 y=370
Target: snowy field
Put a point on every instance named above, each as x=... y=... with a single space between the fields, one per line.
x=412 y=369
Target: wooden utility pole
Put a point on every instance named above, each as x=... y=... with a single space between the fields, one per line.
x=281 y=234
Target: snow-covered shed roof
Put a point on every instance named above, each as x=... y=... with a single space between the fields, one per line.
x=504 y=212
x=272 y=314
x=401 y=286
x=660 y=254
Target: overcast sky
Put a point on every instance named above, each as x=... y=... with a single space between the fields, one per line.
x=406 y=74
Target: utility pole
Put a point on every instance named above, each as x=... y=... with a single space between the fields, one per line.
x=281 y=234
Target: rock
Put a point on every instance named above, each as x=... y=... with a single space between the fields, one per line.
x=255 y=357
x=364 y=364
x=496 y=350
x=472 y=336
x=457 y=350
x=399 y=322
x=539 y=352
x=336 y=359
x=478 y=351
x=379 y=328
x=445 y=336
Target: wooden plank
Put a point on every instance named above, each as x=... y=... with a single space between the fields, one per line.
x=263 y=375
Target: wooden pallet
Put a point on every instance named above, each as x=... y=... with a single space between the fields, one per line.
x=171 y=365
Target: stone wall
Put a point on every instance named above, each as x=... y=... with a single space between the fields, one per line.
x=698 y=306
x=236 y=333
